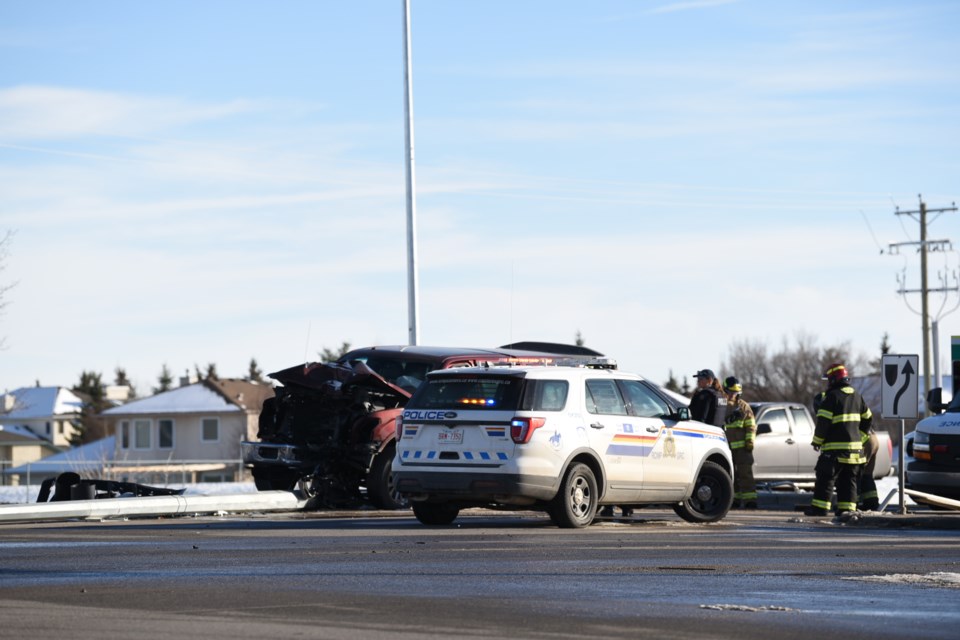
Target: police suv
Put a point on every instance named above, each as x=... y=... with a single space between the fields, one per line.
x=566 y=440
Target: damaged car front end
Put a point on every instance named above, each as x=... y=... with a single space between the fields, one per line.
x=329 y=431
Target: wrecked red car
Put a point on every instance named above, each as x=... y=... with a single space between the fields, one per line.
x=329 y=430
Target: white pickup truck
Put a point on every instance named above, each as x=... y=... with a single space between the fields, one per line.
x=782 y=450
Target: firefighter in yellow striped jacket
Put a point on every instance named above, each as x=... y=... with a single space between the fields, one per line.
x=842 y=420
x=741 y=431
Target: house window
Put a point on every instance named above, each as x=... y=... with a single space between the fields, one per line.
x=60 y=428
x=165 y=434
x=48 y=428
x=210 y=429
x=141 y=434
x=124 y=435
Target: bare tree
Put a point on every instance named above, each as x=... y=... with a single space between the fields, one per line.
x=791 y=373
x=4 y=288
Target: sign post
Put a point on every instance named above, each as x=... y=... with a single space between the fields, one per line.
x=899 y=398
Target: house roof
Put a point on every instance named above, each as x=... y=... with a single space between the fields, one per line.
x=88 y=457
x=13 y=434
x=42 y=402
x=207 y=396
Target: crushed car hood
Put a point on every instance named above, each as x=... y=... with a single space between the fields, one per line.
x=335 y=378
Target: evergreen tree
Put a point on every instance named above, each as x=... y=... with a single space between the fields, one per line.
x=254 y=373
x=328 y=355
x=165 y=380
x=89 y=426
x=672 y=383
x=121 y=380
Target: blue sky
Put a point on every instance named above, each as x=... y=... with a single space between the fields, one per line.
x=213 y=182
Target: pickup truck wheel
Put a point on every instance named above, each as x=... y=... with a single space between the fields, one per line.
x=712 y=496
x=435 y=513
x=381 y=487
x=270 y=479
x=575 y=504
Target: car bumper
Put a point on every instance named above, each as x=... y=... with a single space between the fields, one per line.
x=480 y=488
x=263 y=453
x=930 y=479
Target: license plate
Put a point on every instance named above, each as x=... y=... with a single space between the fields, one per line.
x=450 y=437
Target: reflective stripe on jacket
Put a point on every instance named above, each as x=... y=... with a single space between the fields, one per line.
x=741 y=426
x=842 y=421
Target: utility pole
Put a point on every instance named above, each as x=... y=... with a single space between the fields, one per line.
x=413 y=284
x=925 y=246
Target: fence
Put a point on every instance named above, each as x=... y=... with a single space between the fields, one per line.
x=140 y=471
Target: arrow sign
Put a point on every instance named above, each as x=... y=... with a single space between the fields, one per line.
x=898 y=386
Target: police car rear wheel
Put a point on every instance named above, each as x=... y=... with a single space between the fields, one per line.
x=575 y=504
x=712 y=496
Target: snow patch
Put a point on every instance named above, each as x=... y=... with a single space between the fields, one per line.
x=743 y=607
x=934 y=579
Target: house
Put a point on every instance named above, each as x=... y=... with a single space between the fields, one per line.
x=50 y=412
x=188 y=434
x=18 y=446
x=91 y=460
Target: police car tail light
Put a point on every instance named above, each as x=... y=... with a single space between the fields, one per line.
x=521 y=429
x=398 y=426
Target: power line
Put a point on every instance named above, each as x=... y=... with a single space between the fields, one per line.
x=926 y=246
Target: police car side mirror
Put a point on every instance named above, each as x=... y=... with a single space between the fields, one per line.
x=764 y=427
x=683 y=413
x=935 y=400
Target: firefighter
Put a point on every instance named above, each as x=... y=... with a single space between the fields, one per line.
x=741 y=429
x=842 y=420
x=869 y=498
x=708 y=404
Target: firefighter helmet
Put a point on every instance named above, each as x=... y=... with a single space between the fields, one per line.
x=732 y=385
x=836 y=373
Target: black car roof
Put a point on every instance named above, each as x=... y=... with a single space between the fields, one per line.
x=442 y=353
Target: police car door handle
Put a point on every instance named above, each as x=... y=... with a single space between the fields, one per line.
x=653 y=429
x=596 y=425
x=790 y=441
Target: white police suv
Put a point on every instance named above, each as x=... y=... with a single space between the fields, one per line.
x=563 y=439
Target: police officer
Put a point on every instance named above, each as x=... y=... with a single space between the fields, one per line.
x=708 y=404
x=740 y=426
x=842 y=420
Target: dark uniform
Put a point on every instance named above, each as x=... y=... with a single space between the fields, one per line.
x=741 y=431
x=842 y=421
x=708 y=404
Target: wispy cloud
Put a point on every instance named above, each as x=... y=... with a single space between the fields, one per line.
x=693 y=5
x=44 y=112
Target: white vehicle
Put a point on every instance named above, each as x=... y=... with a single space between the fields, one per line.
x=934 y=463
x=563 y=439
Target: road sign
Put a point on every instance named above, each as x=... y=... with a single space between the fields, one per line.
x=898 y=386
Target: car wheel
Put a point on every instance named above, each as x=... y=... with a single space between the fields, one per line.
x=575 y=504
x=381 y=487
x=435 y=513
x=271 y=479
x=712 y=495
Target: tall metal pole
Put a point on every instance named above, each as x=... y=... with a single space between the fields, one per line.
x=413 y=292
x=924 y=308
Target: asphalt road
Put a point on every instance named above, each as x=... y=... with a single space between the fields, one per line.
x=491 y=575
